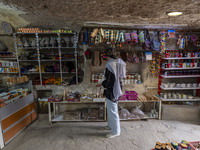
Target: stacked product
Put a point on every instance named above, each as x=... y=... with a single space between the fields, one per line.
x=184 y=145
x=132 y=78
x=8 y=67
x=180 y=54
x=12 y=96
x=178 y=85
x=97 y=77
x=6 y=54
x=173 y=95
x=12 y=80
x=55 y=98
x=92 y=114
x=124 y=114
x=37 y=30
x=181 y=73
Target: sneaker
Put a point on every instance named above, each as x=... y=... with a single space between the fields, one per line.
x=112 y=135
x=106 y=128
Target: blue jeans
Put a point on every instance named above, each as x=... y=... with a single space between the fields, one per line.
x=113 y=116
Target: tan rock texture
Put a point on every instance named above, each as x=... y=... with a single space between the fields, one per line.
x=73 y=14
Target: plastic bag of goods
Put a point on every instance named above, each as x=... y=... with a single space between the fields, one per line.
x=137 y=112
x=124 y=114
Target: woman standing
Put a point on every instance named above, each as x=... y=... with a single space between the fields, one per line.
x=115 y=71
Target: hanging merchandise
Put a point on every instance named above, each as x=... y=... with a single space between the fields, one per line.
x=97 y=39
x=141 y=37
x=117 y=36
x=194 y=40
x=94 y=33
x=86 y=37
x=148 y=55
x=127 y=37
x=163 y=42
x=81 y=37
x=147 y=42
x=171 y=33
x=112 y=35
x=107 y=35
x=155 y=45
x=182 y=41
x=136 y=59
x=134 y=38
x=142 y=58
x=198 y=41
x=121 y=37
x=102 y=33
x=129 y=57
x=100 y=37
x=155 y=65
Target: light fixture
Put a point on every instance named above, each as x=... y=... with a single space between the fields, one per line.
x=174 y=13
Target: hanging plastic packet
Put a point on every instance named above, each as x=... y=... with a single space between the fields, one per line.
x=121 y=37
x=127 y=37
x=163 y=42
x=182 y=43
x=97 y=39
x=86 y=36
x=117 y=36
x=107 y=35
x=148 y=55
x=100 y=37
x=94 y=33
x=134 y=37
x=171 y=33
x=141 y=37
x=102 y=33
x=112 y=35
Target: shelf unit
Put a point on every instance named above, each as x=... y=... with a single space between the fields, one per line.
x=189 y=68
x=53 y=117
x=162 y=77
x=17 y=115
x=179 y=58
x=191 y=88
x=176 y=100
x=40 y=49
x=182 y=76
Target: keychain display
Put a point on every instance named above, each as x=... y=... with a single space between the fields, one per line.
x=155 y=64
x=163 y=42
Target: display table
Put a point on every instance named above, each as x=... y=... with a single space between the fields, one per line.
x=54 y=117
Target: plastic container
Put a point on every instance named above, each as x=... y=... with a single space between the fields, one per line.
x=122 y=98
x=131 y=95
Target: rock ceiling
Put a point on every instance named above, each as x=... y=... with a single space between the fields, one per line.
x=77 y=13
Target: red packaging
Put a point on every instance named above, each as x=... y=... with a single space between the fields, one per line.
x=169 y=65
x=180 y=65
x=167 y=55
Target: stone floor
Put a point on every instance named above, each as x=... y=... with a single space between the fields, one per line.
x=135 y=135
